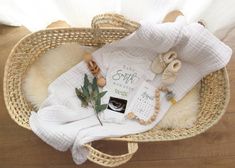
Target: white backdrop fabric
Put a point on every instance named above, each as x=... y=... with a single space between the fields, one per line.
x=35 y=15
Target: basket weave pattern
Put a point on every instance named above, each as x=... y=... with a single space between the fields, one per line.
x=214 y=93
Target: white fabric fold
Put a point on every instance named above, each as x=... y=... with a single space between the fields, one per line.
x=64 y=124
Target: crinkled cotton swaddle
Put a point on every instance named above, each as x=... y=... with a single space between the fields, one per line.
x=64 y=124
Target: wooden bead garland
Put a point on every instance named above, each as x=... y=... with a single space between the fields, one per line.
x=94 y=69
x=169 y=96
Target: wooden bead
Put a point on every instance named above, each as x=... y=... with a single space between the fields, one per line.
x=157 y=99
x=157 y=94
x=101 y=82
x=142 y=122
x=158 y=104
x=87 y=57
x=149 y=121
x=130 y=115
x=157 y=108
x=153 y=117
x=164 y=89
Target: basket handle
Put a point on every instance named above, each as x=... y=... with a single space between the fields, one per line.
x=108 y=160
x=108 y=20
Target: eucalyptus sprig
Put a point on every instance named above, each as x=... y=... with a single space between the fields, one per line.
x=90 y=95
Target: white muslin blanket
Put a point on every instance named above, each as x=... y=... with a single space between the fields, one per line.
x=61 y=121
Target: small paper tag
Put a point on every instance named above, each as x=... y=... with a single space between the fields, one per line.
x=143 y=102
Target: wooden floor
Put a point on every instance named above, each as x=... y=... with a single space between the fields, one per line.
x=20 y=148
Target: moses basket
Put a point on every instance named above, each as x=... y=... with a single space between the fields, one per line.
x=214 y=92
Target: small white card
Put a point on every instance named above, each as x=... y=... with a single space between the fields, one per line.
x=143 y=101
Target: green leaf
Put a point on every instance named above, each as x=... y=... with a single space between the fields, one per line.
x=86 y=81
x=100 y=108
x=79 y=93
x=81 y=97
x=95 y=86
x=84 y=103
x=85 y=87
x=85 y=92
x=100 y=95
x=89 y=94
x=97 y=101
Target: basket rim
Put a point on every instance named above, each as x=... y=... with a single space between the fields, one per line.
x=6 y=67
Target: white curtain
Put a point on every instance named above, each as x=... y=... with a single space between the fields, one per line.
x=219 y=15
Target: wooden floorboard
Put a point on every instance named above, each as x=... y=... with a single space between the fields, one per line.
x=20 y=148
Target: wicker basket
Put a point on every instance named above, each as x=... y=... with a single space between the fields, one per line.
x=214 y=93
